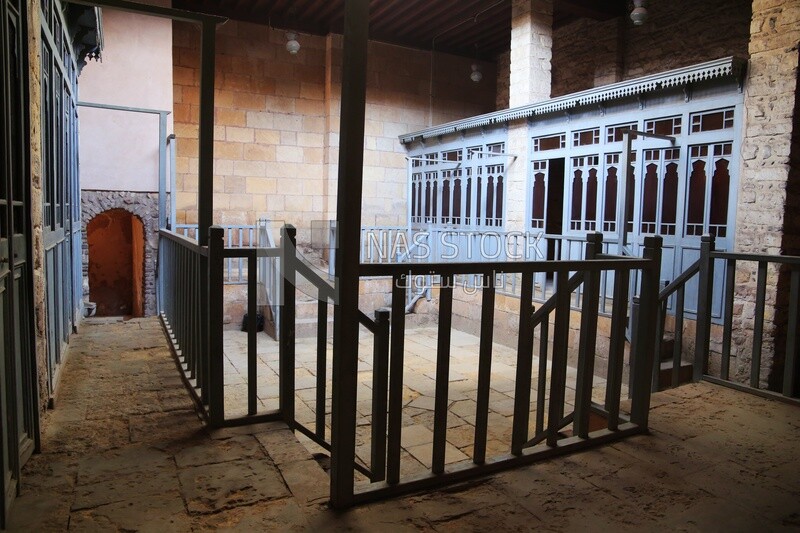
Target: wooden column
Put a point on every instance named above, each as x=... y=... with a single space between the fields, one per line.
x=348 y=219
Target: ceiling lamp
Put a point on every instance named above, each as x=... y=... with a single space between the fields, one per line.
x=292 y=46
x=639 y=13
x=476 y=75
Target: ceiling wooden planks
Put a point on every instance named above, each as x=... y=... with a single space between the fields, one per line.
x=472 y=28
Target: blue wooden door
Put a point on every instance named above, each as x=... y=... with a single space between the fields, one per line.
x=18 y=393
x=60 y=213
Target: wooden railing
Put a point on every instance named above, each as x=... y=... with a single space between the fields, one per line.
x=234 y=236
x=748 y=377
x=194 y=320
x=786 y=383
x=190 y=302
x=190 y=285
x=182 y=287
x=553 y=415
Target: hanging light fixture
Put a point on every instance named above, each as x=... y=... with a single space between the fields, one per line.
x=639 y=13
x=476 y=75
x=292 y=46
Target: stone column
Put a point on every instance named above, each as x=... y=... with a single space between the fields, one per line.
x=530 y=81
x=764 y=214
x=37 y=259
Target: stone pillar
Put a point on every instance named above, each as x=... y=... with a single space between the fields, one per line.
x=530 y=81
x=766 y=174
x=39 y=295
x=531 y=51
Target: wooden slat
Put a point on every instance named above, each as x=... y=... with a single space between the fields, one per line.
x=587 y=343
x=705 y=289
x=792 y=365
x=558 y=373
x=286 y=364
x=484 y=374
x=541 y=388
x=252 y=323
x=398 y=320
x=616 y=349
x=727 y=329
x=522 y=389
x=758 y=327
x=677 y=348
x=322 y=363
x=442 y=375
x=380 y=385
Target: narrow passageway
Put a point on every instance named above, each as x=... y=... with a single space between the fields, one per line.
x=125 y=450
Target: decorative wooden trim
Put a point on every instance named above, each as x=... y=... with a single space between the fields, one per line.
x=727 y=67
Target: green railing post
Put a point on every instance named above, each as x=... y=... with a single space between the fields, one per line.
x=645 y=354
x=704 y=298
x=214 y=355
x=287 y=323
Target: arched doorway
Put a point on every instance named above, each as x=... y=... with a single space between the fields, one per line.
x=116 y=263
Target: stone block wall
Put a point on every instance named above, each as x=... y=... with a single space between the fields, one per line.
x=589 y=53
x=277 y=122
x=766 y=220
x=503 y=62
x=529 y=81
x=142 y=205
x=37 y=261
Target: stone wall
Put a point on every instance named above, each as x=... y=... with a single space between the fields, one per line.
x=277 y=122
x=503 y=80
x=142 y=205
x=529 y=81
x=589 y=53
x=766 y=217
x=39 y=294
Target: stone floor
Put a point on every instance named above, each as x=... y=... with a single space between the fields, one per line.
x=124 y=450
x=419 y=380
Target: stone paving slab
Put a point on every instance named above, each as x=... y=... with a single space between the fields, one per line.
x=715 y=460
x=419 y=385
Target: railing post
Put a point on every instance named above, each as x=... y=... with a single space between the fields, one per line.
x=287 y=324
x=645 y=333
x=704 y=299
x=558 y=371
x=587 y=344
x=160 y=277
x=522 y=388
x=348 y=215
x=397 y=356
x=214 y=356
